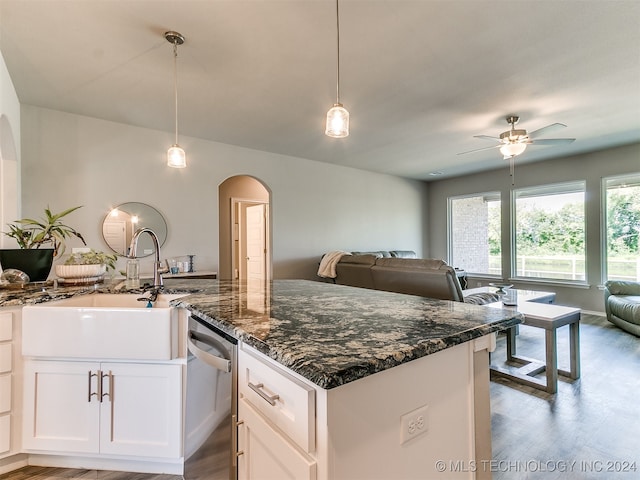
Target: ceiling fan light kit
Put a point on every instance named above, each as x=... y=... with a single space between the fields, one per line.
x=514 y=141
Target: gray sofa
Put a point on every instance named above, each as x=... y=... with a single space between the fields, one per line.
x=431 y=278
x=622 y=305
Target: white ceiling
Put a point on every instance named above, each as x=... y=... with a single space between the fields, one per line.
x=419 y=78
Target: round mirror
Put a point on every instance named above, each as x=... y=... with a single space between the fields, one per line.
x=122 y=221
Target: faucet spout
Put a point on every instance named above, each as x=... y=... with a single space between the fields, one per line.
x=157 y=266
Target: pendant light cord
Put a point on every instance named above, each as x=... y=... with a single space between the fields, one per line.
x=175 y=84
x=338 y=56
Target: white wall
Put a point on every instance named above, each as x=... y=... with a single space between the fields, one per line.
x=591 y=167
x=70 y=160
x=9 y=152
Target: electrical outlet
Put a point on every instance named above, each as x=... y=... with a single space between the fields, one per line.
x=413 y=424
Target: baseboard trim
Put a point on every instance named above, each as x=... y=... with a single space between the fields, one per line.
x=98 y=463
x=9 y=464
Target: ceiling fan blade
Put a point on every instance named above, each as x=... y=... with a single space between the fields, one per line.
x=553 y=141
x=547 y=129
x=487 y=137
x=480 y=149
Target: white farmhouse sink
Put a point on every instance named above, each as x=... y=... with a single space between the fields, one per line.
x=101 y=326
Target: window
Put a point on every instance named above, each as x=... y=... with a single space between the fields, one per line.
x=474 y=233
x=622 y=220
x=550 y=232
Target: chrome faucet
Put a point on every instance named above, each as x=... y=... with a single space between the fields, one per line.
x=158 y=270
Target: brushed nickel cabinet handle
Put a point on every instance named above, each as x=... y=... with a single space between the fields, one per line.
x=258 y=389
x=91 y=394
x=110 y=392
x=235 y=423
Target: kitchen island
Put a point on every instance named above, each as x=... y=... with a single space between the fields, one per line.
x=388 y=385
x=338 y=382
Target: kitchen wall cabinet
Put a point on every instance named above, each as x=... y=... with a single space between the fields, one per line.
x=115 y=408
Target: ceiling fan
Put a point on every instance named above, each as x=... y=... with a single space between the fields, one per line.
x=514 y=141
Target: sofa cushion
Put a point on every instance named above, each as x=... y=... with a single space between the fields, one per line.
x=482 y=298
x=369 y=260
x=626 y=307
x=355 y=270
x=440 y=283
x=420 y=263
x=378 y=253
x=403 y=254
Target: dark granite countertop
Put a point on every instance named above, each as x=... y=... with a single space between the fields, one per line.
x=329 y=334
x=334 y=334
x=40 y=292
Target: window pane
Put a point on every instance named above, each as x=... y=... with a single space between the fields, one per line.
x=475 y=233
x=550 y=232
x=623 y=227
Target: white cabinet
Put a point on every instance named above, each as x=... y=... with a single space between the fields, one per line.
x=9 y=366
x=277 y=433
x=291 y=428
x=266 y=453
x=115 y=408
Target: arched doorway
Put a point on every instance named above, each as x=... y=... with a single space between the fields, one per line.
x=244 y=204
x=9 y=173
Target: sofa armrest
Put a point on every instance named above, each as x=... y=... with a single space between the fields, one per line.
x=619 y=287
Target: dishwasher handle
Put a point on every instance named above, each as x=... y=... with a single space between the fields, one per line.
x=221 y=363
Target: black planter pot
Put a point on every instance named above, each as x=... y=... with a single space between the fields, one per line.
x=34 y=262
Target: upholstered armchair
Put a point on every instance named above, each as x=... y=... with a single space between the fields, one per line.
x=622 y=305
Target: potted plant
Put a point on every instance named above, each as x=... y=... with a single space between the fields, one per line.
x=32 y=235
x=84 y=266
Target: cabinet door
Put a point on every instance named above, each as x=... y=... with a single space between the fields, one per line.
x=266 y=453
x=59 y=413
x=141 y=413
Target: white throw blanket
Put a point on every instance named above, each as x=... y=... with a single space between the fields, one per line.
x=328 y=263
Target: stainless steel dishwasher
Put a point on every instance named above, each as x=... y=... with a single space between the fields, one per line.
x=211 y=404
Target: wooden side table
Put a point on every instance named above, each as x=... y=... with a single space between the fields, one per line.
x=550 y=318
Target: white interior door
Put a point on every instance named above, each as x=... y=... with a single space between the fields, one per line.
x=255 y=242
x=115 y=234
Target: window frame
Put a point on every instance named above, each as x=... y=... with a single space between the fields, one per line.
x=492 y=194
x=547 y=189
x=604 y=240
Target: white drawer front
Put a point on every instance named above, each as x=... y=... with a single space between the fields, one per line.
x=5 y=358
x=6 y=324
x=5 y=393
x=293 y=411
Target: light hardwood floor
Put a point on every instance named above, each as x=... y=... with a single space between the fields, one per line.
x=588 y=430
x=593 y=421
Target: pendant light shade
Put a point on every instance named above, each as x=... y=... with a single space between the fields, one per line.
x=176 y=157
x=337 y=122
x=337 y=117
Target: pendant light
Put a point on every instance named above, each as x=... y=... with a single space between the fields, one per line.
x=176 y=157
x=337 y=116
